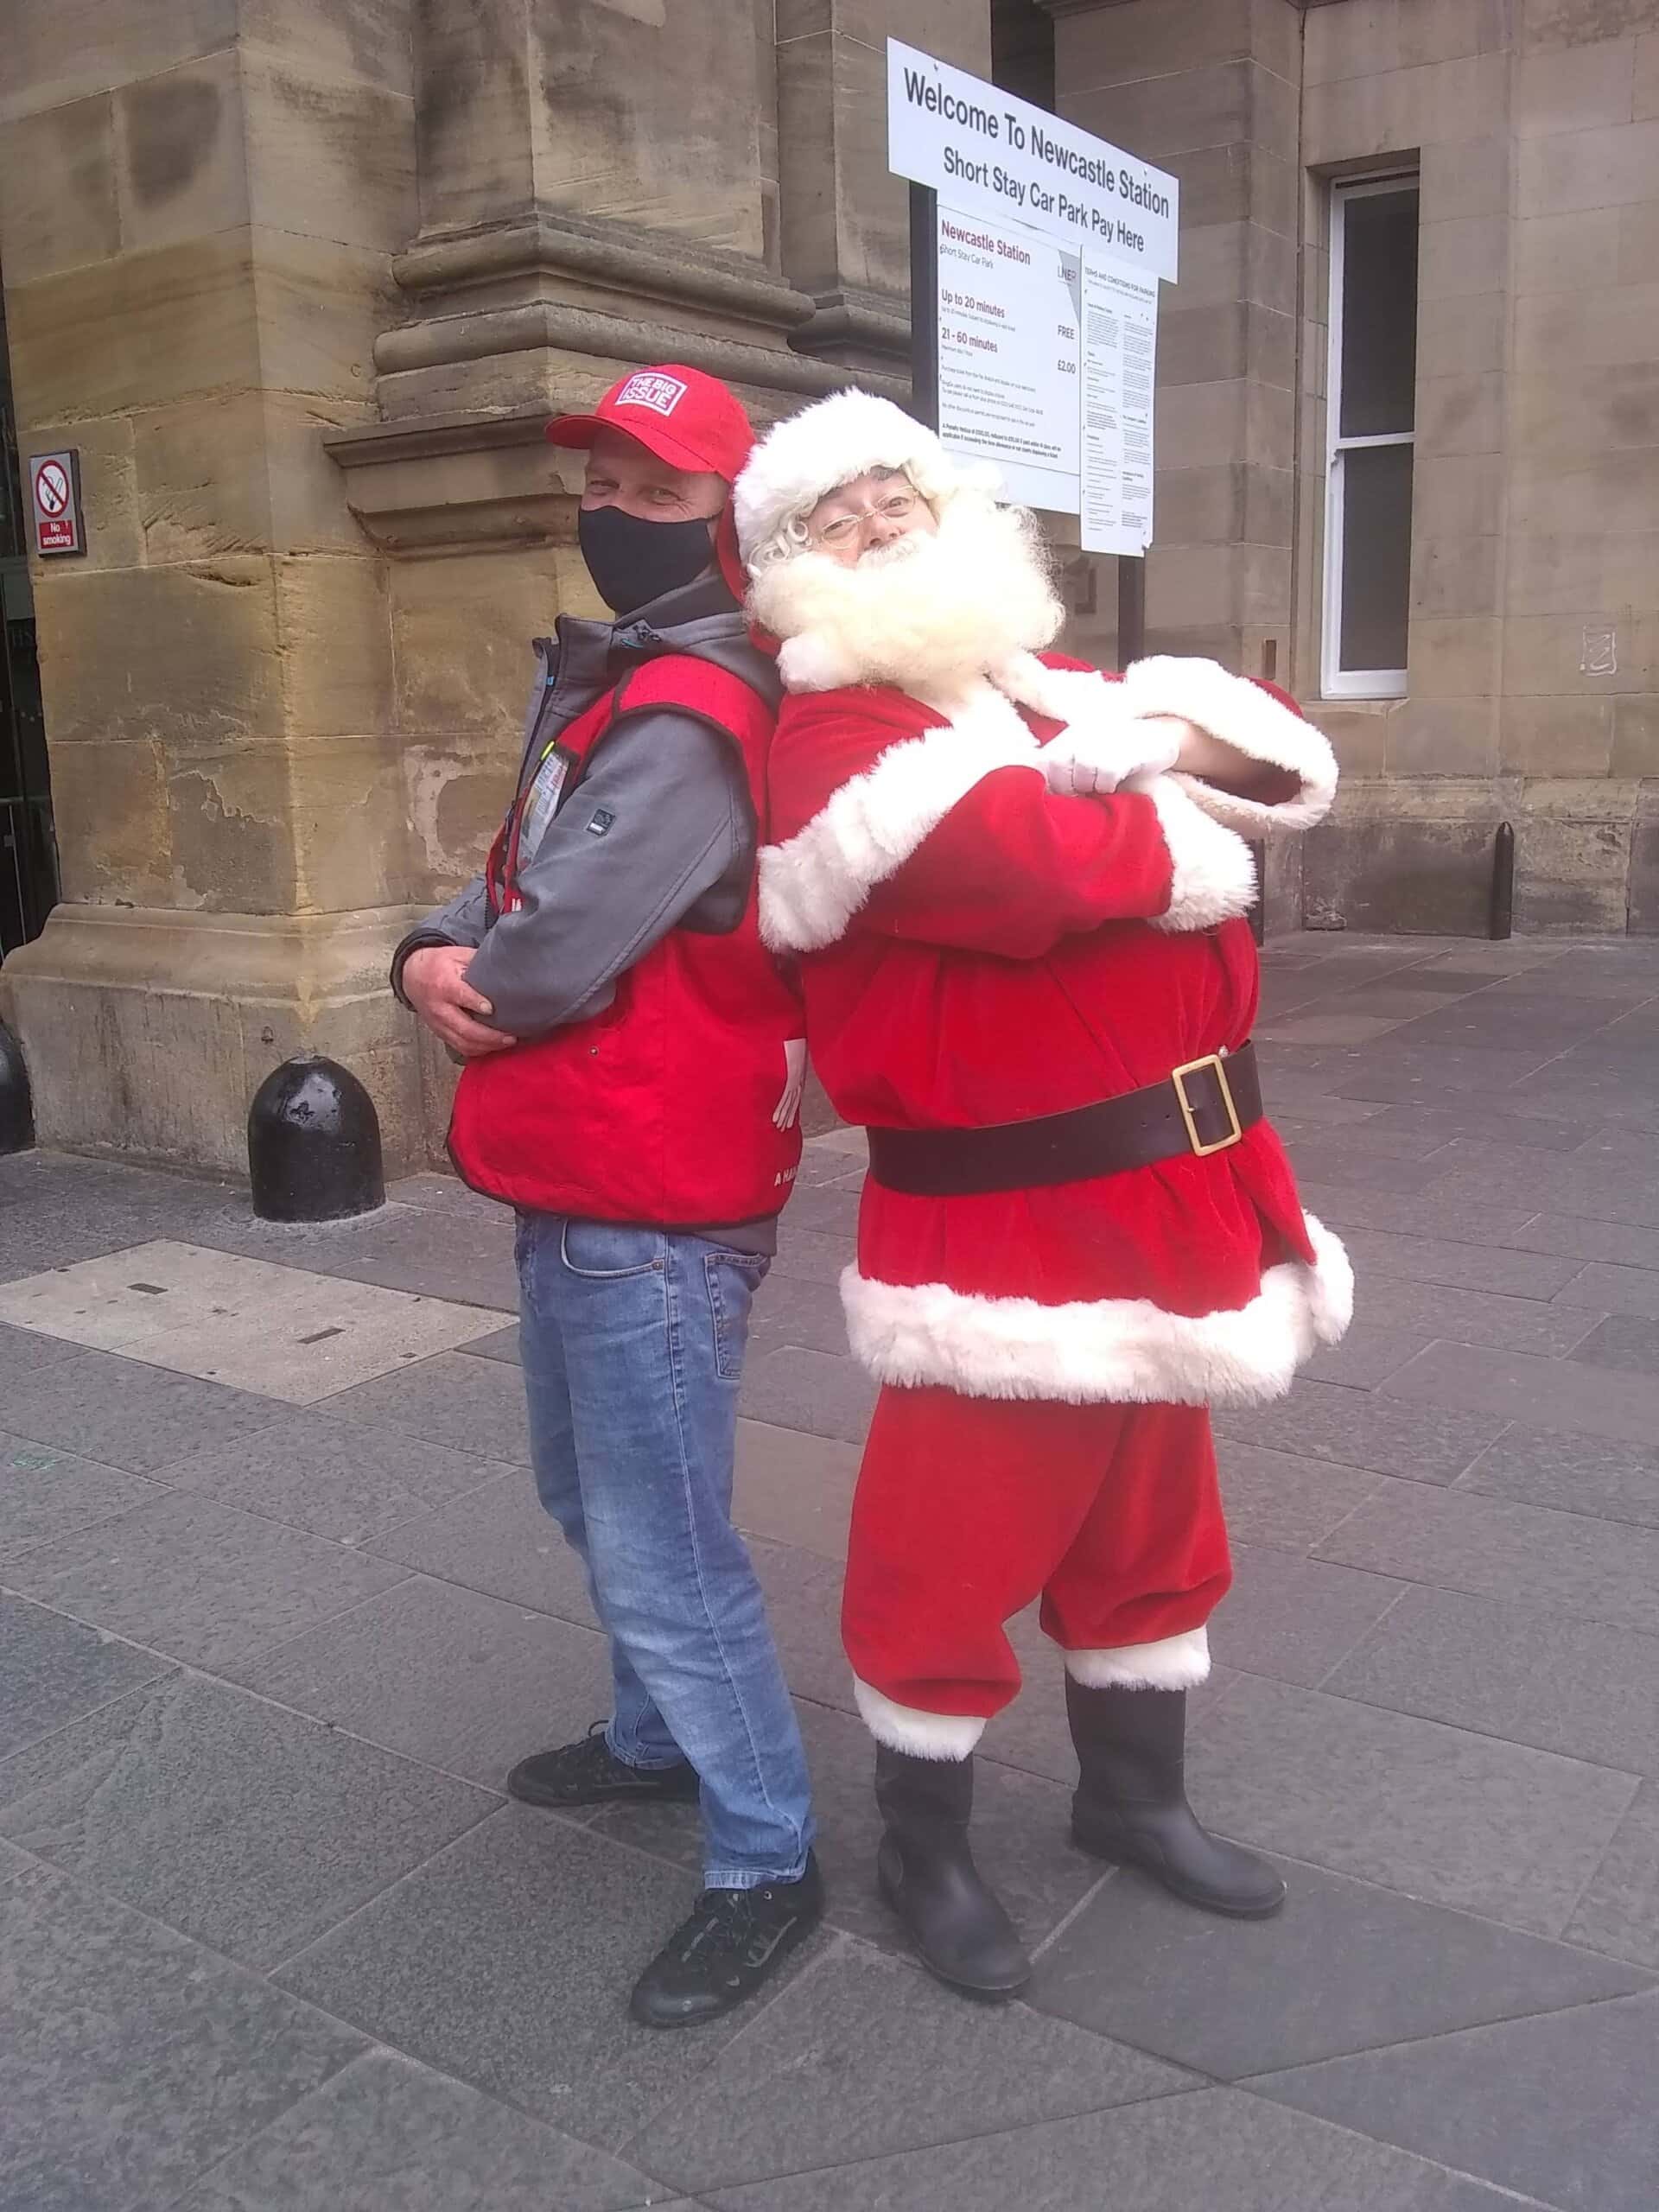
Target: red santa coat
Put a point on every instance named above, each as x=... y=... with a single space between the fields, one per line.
x=974 y=950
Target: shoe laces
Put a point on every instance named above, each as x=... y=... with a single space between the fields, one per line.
x=742 y=1925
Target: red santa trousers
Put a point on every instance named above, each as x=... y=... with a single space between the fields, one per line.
x=968 y=1508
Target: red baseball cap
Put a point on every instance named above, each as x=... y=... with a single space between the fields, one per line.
x=687 y=419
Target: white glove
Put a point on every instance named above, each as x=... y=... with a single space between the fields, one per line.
x=1090 y=758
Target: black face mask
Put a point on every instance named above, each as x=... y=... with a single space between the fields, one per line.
x=633 y=562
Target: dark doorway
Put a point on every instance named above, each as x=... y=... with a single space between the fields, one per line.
x=29 y=872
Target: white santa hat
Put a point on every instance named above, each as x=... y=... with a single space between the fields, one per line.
x=827 y=445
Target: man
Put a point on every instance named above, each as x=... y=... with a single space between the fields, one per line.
x=1017 y=890
x=631 y=1085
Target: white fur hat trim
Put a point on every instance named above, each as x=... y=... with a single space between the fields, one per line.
x=825 y=445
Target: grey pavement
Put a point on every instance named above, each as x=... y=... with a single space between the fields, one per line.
x=274 y=1940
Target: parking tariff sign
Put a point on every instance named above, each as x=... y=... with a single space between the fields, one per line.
x=54 y=502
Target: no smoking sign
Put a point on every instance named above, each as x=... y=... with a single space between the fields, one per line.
x=54 y=502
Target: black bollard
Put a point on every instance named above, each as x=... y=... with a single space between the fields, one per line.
x=314 y=1143
x=16 y=1109
x=1502 y=914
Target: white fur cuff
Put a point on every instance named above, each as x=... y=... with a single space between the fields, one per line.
x=1214 y=874
x=1244 y=715
x=906 y=1728
x=1174 y=1663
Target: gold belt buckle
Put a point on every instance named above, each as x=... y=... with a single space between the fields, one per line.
x=1178 y=1077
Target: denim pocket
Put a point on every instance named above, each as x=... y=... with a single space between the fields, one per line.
x=732 y=1279
x=605 y=1251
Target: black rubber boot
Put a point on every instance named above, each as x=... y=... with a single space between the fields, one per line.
x=733 y=1941
x=1131 y=1803
x=587 y=1772
x=925 y=1871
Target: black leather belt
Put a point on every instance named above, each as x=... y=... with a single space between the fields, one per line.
x=1204 y=1107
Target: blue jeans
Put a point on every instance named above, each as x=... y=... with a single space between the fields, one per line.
x=633 y=1343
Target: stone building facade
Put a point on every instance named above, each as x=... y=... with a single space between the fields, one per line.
x=302 y=280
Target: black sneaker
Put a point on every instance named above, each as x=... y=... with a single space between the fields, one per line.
x=733 y=1939
x=589 y=1772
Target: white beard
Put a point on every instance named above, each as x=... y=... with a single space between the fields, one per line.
x=926 y=613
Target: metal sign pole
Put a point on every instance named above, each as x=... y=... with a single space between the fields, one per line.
x=924 y=304
x=1131 y=607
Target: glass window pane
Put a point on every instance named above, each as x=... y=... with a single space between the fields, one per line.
x=1375 y=556
x=1379 y=312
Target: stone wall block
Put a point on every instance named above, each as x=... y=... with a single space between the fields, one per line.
x=1644 y=911
x=109 y=801
x=1570 y=735
x=1570 y=878
x=181 y=160
x=1546 y=653
x=1581 y=89
x=1464 y=257
x=1460 y=496
x=1456 y=574
x=333 y=620
x=197 y=647
x=1565 y=253
x=1187 y=109
x=1453 y=656
x=365 y=41
x=57 y=189
x=473 y=158
x=1557 y=23
x=1145 y=38
x=327 y=159
x=1639 y=242
x=1429 y=737
x=203 y=478
x=1646 y=77
x=1443 y=30
x=1416 y=878
x=1609 y=409
x=462 y=629
x=1360 y=38
x=109 y=491
x=1465 y=176
x=1636 y=734
x=229 y=829
x=1462 y=413
x=185 y=320
x=321 y=307
x=349 y=834
x=1610 y=168
x=61 y=50
x=851 y=224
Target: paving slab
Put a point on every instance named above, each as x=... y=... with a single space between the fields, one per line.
x=823 y=1394
x=1346 y=1966
x=350 y=1480
x=1280 y=1498
x=1564 y=1236
x=1437 y=1812
x=53 y=1671
x=1357 y=1429
x=1604 y=1289
x=1574 y=1474
x=128 y=1416
x=1624 y=1344
x=473 y=1405
x=793 y=1487
x=1619 y=1912
x=1560 y=1562
x=388 y=2135
x=1214 y=2147
x=1368 y=1355
x=130 y=2059
x=869 y=2051
x=1295 y=1619
x=24 y=1353
x=1587 y=1691
x=196 y=1580
x=1430 y=1310
x=445 y=1676
x=498 y=1539
x=507 y=1961
x=1560 y=2108
x=247 y=1827
x=1521 y=1273
x=802 y=1312
x=1470 y=1379
x=45 y=1493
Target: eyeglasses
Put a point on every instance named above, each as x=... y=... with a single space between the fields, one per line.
x=842 y=529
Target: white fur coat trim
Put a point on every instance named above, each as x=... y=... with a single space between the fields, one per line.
x=1114 y=1350
x=1242 y=715
x=907 y=1728
x=1174 y=1663
x=812 y=886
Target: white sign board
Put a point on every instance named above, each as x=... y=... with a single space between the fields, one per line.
x=1051 y=244
x=1120 y=345
x=989 y=153
x=1010 y=309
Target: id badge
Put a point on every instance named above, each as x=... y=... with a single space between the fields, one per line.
x=542 y=802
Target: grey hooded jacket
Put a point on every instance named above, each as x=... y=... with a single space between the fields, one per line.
x=659 y=834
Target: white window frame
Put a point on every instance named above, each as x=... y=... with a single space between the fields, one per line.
x=1336 y=682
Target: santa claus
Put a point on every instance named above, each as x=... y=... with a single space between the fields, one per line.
x=1017 y=888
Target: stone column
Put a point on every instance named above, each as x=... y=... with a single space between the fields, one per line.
x=200 y=209
x=1209 y=91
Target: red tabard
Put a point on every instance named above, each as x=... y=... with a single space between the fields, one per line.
x=660 y=1110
